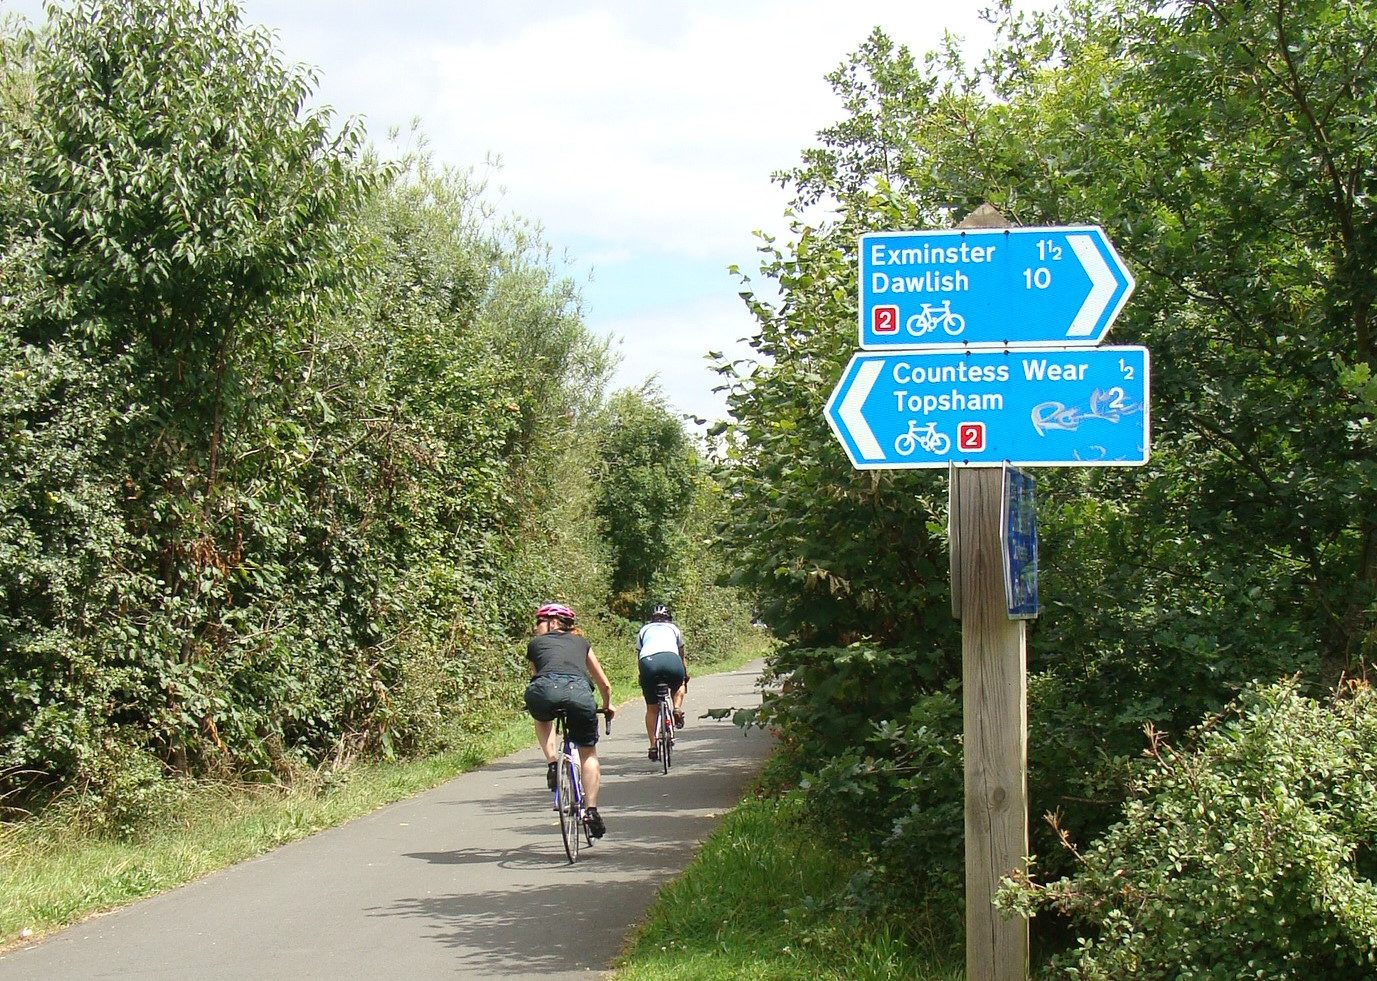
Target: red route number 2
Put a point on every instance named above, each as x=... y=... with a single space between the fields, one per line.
x=885 y=320
x=970 y=436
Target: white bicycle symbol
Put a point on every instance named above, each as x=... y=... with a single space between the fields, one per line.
x=932 y=317
x=927 y=437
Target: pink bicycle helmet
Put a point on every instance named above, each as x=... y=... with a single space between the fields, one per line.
x=555 y=610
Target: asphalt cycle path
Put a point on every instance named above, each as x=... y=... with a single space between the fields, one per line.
x=466 y=880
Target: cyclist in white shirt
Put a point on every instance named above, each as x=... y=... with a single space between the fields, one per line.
x=660 y=657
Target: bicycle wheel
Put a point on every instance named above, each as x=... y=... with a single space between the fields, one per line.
x=569 y=809
x=665 y=737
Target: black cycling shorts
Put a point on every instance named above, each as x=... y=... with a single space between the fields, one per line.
x=660 y=669
x=548 y=693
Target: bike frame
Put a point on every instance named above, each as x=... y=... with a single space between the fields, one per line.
x=569 y=760
x=574 y=832
x=664 y=727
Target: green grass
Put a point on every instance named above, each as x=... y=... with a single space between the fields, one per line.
x=765 y=900
x=54 y=871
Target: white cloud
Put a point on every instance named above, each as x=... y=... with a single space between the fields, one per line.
x=673 y=343
x=655 y=126
x=641 y=136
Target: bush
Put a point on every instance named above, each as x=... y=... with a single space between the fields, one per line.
x=1250 y=854
x=899 y=798
x=879 y=762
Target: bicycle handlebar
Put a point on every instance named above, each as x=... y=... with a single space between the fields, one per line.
x=605 y=713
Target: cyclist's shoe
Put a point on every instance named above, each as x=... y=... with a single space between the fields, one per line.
x=596 y=828
x=552 y=775
x=654 y=754
x=678 y=719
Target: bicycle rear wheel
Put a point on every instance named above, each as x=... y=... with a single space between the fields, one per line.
x=569 y=809
x=665 y=737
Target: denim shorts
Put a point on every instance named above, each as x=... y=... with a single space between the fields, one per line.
x=573 y=693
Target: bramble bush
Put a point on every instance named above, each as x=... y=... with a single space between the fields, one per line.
x=1249 y=853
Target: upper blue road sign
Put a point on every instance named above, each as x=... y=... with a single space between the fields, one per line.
x=989 y=287
x=1031 y=407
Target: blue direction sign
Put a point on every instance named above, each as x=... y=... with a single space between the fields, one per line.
x=989 y=287
x=1027 y=407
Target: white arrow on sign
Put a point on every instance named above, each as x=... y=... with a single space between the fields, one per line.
x=1102 y=285
x=850 y=411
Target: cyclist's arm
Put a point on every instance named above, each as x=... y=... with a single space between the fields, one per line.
x=600 y=679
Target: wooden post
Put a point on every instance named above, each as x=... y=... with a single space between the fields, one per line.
x=994 y=704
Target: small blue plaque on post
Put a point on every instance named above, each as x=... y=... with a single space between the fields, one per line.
x=1018 y=532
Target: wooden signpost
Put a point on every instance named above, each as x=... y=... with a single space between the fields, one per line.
x=1089 y=411
x=994 y=712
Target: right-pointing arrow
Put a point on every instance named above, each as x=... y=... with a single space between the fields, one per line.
x=850 y=410
x=1102 y=286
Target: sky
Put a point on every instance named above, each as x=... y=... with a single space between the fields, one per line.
x=639 y=134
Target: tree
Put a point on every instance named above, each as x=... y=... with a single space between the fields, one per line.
x=1228 y=151
x=646 y=490
x=287 y=435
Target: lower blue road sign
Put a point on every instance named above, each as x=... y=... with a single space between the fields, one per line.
x=1027 y=407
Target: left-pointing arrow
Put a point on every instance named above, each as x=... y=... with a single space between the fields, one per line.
x=850 y=411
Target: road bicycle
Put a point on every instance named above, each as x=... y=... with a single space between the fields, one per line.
x=927 y=437
x=664 y=727
x=568 y=793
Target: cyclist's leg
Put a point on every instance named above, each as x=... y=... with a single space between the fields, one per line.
x=680 y=690
x=665 y=669
x=540 y=706
x=646 y=676
x=545 y=738
x=652 y=712
x=592 y=779
x=580 y=712
x=592 y=774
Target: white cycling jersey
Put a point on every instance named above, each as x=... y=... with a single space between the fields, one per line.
x=658 y=637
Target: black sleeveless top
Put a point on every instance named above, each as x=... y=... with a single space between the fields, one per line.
x=559 y=653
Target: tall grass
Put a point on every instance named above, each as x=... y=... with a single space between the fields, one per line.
x=767 y=898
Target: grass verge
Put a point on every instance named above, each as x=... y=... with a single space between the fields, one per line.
x=765 y=899
x=54 y=873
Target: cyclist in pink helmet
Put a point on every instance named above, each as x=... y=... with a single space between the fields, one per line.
x=564 y=670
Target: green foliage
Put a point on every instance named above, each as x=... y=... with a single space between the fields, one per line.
x=1228 y=151
x=657 y=505
x=291 y=442
x=647 y=490
x=288 y=439
x=803 y=526
x=878 y=761
x=831 y=697
x=1248 y=854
